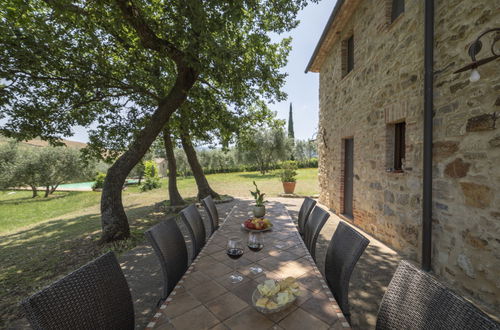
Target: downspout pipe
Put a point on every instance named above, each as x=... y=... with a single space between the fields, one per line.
x=428 y=127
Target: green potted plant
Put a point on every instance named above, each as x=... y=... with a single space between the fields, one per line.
x=288 y=176
x=259 y=209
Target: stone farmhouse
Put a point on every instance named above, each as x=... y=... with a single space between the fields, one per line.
x=372 y=64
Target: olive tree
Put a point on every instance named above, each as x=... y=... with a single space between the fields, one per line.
x=128 y=65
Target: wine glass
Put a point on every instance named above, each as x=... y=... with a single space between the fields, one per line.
x=235 y=251
x=255 y=243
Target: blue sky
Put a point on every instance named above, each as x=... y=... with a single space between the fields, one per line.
x=302 y=89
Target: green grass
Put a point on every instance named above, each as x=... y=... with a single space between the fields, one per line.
x=44 y=239
x=18 y=209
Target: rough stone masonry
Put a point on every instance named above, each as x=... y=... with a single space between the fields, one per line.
x=386 y=87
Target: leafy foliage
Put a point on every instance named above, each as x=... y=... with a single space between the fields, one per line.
x=40 y=167
x=99 y=181
x=152 y=179
x=258 y=196
x=288 y=171
x=263 y=147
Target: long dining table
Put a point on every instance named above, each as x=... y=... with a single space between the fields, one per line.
x=206 y=299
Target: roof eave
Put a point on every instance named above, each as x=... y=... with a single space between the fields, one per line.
x=327 y=28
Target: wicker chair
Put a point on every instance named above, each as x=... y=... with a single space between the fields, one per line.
x=313 y=226
x=304 y=212
x=416 y=300
x=95 y=296
x=170 y=247
x=192 y=218
x=344 y=250
x=209 y=205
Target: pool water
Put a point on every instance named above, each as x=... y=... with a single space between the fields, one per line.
x=86 y=185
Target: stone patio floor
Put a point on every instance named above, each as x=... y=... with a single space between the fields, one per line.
x=368 y=283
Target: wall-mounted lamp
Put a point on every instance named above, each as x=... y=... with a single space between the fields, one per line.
x=474 y=49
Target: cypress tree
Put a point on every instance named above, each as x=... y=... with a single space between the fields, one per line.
x=290 y=124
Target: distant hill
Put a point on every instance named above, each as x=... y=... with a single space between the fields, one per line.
x=41 y=143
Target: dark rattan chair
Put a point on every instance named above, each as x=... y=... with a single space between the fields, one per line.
x=96 y=296
x=170 y=247
x=344 y=250
x=313 y=226
x=416 y=300
x=304 y=212
x=213 y=215
x=194 y=223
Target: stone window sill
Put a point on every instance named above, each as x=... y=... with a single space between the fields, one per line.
x=393 y=171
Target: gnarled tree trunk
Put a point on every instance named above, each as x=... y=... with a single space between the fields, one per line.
x=173 y=192
x=204 y=188
x=113 y=218
x=34 y=191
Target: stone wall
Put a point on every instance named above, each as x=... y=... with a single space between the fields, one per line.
x=385 y=87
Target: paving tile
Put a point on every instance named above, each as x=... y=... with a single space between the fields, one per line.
x=194 y=279
x=226 y=305
x=198 y=318
x=248 y=319
x=300 y=320
x=311 y=282
x=245 y=291
x=298 y=250
x=183 y=303
x=207 y=291
x=225 y=281
x=321 y=307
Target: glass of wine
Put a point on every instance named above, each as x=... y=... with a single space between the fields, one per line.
x=255 y=243
x=235 y=251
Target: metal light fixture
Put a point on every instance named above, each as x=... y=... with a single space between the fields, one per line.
x=474 y=49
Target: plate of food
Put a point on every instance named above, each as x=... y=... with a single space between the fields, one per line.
x=257 y=224
x=274 y=296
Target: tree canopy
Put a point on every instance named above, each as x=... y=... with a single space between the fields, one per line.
x=128 y=65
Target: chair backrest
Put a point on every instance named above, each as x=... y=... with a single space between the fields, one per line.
x=196 y=228
x=313 y=226
x=95 y=296
x=170 y=247
x=344 y=250
x=304 y=212
x=416 y=300
x=213 y=215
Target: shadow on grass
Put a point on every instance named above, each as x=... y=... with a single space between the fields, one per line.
x=30 y=199
x=257 y=176
x=33 y=258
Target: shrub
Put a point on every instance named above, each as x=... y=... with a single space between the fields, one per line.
x=99 y=181
x=288 y=171
x=152 y=180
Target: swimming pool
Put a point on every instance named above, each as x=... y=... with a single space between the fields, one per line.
x=86 y=185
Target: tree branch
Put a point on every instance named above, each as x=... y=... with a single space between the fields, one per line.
x=147 y=36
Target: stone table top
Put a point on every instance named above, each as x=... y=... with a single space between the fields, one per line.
x=205 y=298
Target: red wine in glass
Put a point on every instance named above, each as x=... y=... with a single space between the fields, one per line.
x=255 y=243
x=255 y=247
x=234 y=253
x=234 y=250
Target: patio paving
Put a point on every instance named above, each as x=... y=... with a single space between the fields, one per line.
x=368 y=283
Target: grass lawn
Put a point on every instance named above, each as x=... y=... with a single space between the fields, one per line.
x=44 y=239
x=18 y=209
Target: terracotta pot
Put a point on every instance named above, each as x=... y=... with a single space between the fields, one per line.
x=289 y=187
x=259 y=211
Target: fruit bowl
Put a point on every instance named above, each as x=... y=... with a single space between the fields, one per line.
x=257 y=224
x=273 y=297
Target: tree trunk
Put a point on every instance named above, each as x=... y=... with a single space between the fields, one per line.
x=204 y=188
x=53 y=188
x=35 y=192
x=173 y=192
x=47 y=191
x=140 y=179
x=113 y=218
